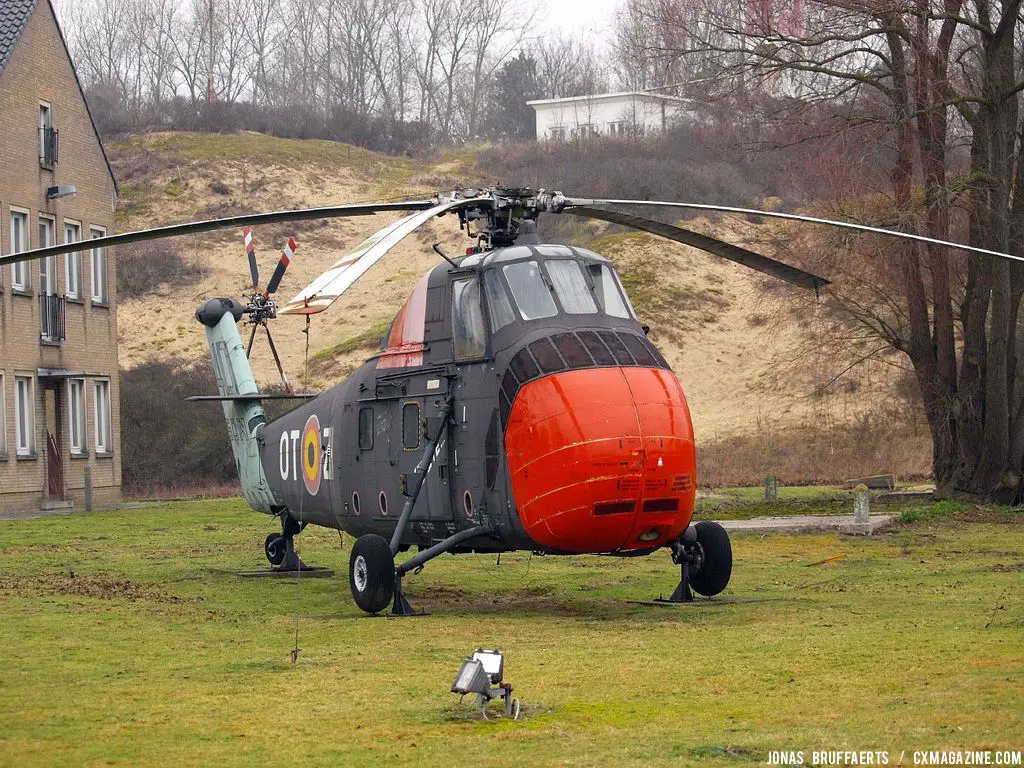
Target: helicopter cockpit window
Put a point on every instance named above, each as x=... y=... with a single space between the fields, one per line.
x=571 y=287
x=469 y=334
x=500 y=307
x=606 y=287
x=529 y=290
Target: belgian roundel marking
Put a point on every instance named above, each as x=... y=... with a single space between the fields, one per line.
x=311 y=455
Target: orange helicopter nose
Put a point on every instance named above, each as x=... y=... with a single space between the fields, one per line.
x=602 y=459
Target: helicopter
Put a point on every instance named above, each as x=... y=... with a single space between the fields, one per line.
x=515 y=403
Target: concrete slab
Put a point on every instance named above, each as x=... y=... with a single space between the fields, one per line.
x=806 y=524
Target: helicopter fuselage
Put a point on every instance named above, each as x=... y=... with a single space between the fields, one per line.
x=561 y=427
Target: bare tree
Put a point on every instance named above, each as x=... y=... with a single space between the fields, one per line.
x=925 y=63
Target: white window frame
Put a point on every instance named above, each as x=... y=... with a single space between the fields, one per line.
x=73 y=262
x=21 y=271
x=24 y=412
x=3 y=415
x=101 y=417
x=77 y=438
x=50 y=262
x=98 y=267
x=45 y=121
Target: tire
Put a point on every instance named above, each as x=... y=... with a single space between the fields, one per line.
x=371 y=573
x=716 y=566
x=273 y=548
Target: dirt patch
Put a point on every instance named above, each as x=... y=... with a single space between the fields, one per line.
x=82 y=585
x=981 y=514
x=1007 y=567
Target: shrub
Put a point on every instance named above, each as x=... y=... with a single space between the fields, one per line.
x=141 y=267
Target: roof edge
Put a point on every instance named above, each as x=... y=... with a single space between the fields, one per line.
x=81 y=90
x=600 y=96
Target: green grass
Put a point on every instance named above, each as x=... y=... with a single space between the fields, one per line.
x=126 y=644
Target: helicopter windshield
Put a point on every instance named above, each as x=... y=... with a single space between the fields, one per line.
x=501 y=308
x=470 y=335
x=571 y=287
x=529 y=290
x=606 y=288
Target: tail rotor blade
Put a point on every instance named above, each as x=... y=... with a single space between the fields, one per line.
x=250 y=251
x=282 y=265
x=252 y=337
x=280 y=367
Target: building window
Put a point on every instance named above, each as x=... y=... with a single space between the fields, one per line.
x=76 y=414
x=557 y=133
x=24 y=416
x=102 y=408
x=72 y=263
x=47 y=266
x=50 y=306
x=47 y=137
x=98 y=265
x=21 y=270
x=3 y=415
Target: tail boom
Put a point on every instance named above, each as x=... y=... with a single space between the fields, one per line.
x=245 y=416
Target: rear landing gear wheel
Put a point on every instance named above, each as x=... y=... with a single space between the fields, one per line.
x=371 y=573
x=274 y=548
x=710 y=575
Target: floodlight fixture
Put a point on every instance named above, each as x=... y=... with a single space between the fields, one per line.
x=61 y=190
x=493 y=661
x=472 y=678
x=476 y=675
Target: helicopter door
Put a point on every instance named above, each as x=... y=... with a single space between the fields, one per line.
x=419 y=419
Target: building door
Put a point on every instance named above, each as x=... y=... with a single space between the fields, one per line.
x=54 y=460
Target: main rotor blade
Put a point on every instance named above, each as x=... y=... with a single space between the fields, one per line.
x=705 y=243
x=282 y=265
x=579 y=201
x=250 y=251
x=194 y=227
x=326 y=289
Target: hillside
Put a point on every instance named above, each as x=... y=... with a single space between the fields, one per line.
x=709 y=317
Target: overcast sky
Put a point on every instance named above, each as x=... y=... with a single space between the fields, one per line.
x=591 y=17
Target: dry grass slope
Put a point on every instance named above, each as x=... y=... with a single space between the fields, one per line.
x=709 y=317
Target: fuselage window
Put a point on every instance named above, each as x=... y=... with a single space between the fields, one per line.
x=411 y=426
x=470 y=336
x=497 y=301
x=607 y=287
x=529 y=290
x=571 y=287
x=365 y=429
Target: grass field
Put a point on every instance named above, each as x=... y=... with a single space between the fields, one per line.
x=128 y=642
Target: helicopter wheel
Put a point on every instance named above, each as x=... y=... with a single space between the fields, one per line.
x=714 y=567
x=274 y=548
x=371 y=573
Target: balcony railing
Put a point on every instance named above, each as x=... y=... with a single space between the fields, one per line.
x=49 y=146
x=51 y=317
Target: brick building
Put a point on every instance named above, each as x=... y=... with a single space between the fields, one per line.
x=59 y=414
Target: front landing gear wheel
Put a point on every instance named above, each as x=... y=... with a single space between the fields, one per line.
x=711 y=574
x=274 y=548
x=371 y=573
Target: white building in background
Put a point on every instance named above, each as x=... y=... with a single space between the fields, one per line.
x=628 y=113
